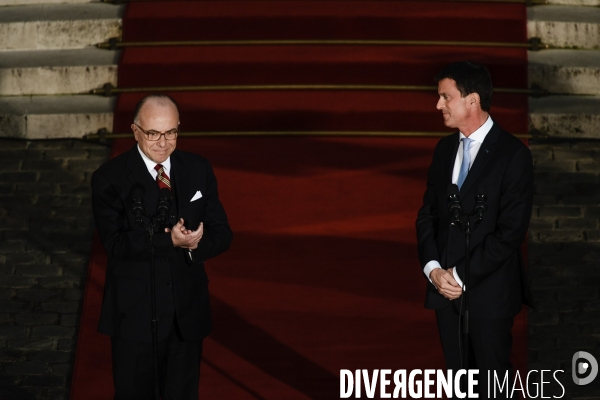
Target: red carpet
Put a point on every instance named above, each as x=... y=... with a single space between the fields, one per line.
x=322 y=274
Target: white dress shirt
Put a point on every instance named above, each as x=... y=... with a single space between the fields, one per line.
x=151 y=164
x=478 y=136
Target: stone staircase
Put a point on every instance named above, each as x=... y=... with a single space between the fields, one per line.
x=48 y=64
x=571 y=70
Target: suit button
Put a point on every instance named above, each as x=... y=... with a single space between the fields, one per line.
x=170 y=284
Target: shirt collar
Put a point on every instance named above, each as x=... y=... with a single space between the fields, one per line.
x=480 y=134
x=151 y=164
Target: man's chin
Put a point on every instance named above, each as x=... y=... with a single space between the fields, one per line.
x=449 y=124
x=160 y=158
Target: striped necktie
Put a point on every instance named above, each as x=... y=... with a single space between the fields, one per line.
x=162 y=178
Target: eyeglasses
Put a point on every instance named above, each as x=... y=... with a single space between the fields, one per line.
x=155 y=136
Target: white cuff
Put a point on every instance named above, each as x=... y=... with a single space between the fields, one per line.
x=430 y=266
x=458 y=280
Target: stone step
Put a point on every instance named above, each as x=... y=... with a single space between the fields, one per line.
x=565 y=26
x=58 y=26
x=565 y=116
x=44 y=72
x=50 y=117
x=576 y=2
x=565 y=71
x=30 y=2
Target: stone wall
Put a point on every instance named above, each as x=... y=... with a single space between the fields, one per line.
x=45 y=240
x=564 y=258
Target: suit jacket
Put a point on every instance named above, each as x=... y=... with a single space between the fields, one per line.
x=181 y=289
x=503 y=171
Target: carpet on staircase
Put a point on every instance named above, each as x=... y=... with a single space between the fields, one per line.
x=323 y=273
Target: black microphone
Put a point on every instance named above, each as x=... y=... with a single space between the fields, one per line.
x=164 y=206
x=454 y=204
x=137 y=205
x=480 y=206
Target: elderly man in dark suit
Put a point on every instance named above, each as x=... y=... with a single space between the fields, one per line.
x=480 y=158
x=196 y=230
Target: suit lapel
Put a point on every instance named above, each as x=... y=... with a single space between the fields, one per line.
x=180 y=185
x=451 y=157
x=138 y=173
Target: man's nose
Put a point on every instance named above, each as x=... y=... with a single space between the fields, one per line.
x=440 y=104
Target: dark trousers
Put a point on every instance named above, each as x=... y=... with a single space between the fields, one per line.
x=178 y=368
x=489 y=349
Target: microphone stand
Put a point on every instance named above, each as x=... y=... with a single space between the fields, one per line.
x=151 y=229
x=455 y=208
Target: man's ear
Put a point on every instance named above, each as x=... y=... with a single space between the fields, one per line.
x=134 y=132
x=474 y=100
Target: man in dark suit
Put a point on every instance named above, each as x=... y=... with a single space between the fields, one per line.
x=196 y=230
x=481 y=158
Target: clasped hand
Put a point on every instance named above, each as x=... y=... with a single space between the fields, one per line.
x=183 y=237
x=445 y=283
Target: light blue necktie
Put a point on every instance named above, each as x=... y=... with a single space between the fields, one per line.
x=466 y=161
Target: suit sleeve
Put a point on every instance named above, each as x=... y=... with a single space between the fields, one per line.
x=512 y=221
x=428 y=217
x=217 y=234
x=122 y=239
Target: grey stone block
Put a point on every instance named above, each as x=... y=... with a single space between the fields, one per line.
x=565 y=116
x=38 y=294
x=61 y=282
x=591 y=317
x=26 y=368
x=565 y=71
x=62 y=369
x=30 y=319
x=56 y=72
x=26 y=343
x=8 y=355
x=85 y=165
x=13 y=331
x=18 y=177
x=62 y=177
x=25 y=154
x=8 y=294
x=13 y=306
x=565 y=26
x=593 y=235
x=560 y=211
x=6 y=319
x=577 y=223
x=73 y=294
x=41 y=117
x=588 y=166
x=52 y=357
x=39 y=270
x=69 y=320
x=561 y=235
x=539 y=318
x=44 y=381
x=17 y=282
x=66 y=344
x=578 y=293
x=58 y=26
x=61 y=306
x=12 y=247
x=555 y=165
x=53 y=331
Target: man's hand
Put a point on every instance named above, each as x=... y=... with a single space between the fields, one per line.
x=445 y=283
x=186 y=238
